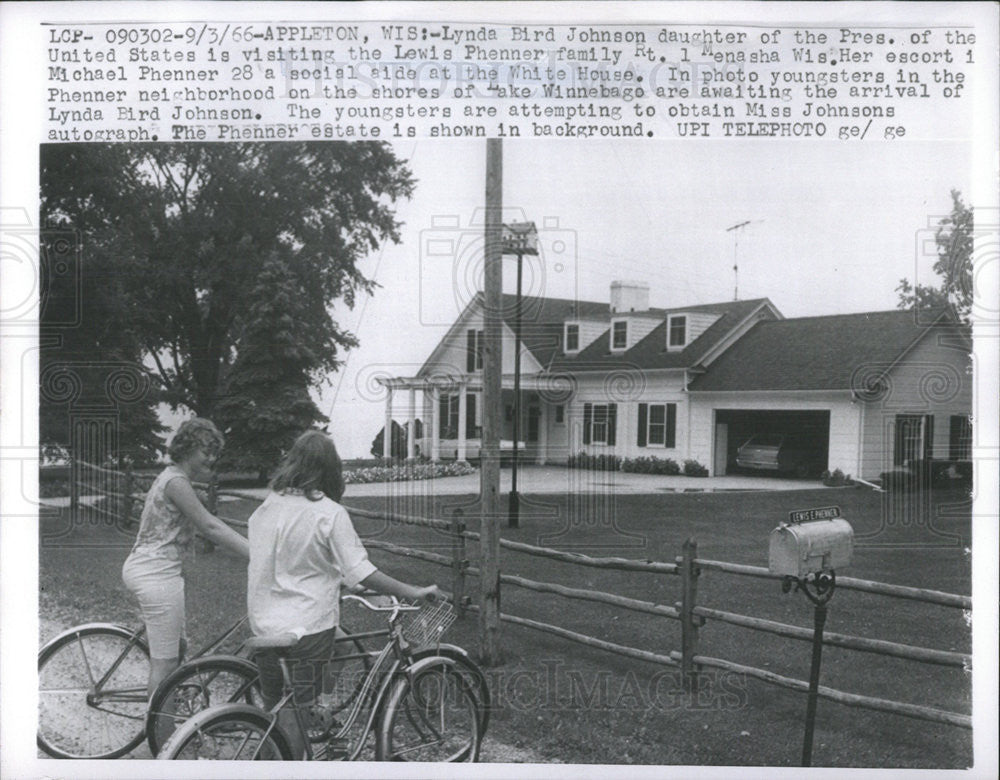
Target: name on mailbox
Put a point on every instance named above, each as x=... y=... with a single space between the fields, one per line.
x=805 y=515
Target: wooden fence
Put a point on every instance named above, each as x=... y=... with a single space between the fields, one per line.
x=691 y=615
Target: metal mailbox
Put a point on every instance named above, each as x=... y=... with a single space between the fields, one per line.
x=798 y=549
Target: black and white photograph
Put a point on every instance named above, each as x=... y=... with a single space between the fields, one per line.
x=636 y=419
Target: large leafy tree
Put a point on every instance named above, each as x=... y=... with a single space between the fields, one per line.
x=268 y=402
x=954 y=239
x=190 y=235
x=91 y=367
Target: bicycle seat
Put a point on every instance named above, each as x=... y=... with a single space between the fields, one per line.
x=287 y=639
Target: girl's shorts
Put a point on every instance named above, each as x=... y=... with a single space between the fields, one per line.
x=158 y=584
x=312 y=660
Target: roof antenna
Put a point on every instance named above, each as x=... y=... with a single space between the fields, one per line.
x=735 y=229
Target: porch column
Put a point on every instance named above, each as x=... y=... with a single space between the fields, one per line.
x=411 y=424
x=435 y=424
x=387 y=431
x=462 y=412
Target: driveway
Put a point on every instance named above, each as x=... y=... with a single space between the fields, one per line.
x=559 y=479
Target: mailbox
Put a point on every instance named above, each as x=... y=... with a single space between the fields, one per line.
x=798 y=549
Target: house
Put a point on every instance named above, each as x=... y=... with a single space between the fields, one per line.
x=867 y=391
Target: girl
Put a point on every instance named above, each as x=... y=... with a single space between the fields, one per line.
x=171 y=515
x=303 y=549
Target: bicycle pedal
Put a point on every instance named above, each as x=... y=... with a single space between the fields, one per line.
x=336 y=748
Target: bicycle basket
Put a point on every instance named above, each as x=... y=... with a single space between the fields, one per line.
x=429 y=624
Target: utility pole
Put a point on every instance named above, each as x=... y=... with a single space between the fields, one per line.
x=489 y=457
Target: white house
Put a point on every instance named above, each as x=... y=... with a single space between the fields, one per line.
x=868 y=390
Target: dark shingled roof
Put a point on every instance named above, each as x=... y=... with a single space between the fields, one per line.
x=651 y=352
x=816 y=353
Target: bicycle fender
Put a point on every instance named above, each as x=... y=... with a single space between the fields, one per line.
x=448 y=651
x=228 y=709
x=427 y=661
x=91 y=626
x=238 y=660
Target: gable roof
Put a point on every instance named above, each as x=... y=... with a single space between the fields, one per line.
x=651 y=351
x=818 y=353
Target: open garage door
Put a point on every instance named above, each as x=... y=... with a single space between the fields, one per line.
x=804 y=437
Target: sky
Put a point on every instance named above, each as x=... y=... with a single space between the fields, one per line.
x=832 y=228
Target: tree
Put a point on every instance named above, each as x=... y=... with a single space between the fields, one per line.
x=954 y=239
x=268 y=402
x=90 y=359
x=181 y=232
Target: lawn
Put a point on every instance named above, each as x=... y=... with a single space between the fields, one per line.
x=565 y=702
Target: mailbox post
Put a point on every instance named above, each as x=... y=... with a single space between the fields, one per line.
x=806 y=551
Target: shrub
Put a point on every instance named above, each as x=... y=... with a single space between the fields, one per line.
x=602 y=462
x=650 y=465
x=693 y=468
x=836 y=479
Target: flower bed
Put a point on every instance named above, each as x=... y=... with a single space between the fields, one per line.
x=403 y=472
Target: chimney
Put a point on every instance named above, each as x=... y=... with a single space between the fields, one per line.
x=629 y=296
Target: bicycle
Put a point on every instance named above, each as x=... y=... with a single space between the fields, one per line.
x=420 y=709
x=92 y=689
x=203 y=682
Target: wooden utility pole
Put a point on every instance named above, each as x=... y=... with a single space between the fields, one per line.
x=489 y=463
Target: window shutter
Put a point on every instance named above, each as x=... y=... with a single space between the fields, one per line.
x=588 y=411
x=670 y=438
x=641 y=438
x=612 y=414
x=470 y=416
x=470 y=351
x=443 y=406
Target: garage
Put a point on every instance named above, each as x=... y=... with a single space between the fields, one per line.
x=802 y=437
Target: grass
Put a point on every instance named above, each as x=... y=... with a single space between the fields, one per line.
x=570 y=703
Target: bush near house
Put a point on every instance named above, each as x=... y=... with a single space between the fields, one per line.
x=923 y=474
x=693 y=468
x=595 y=462
x=651 y=465
x=836 y=478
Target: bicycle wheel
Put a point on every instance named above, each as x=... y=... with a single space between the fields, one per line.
x=195 y=686
x=473 y=675
x=228 y=732
x=92 y=692
x=431 y=714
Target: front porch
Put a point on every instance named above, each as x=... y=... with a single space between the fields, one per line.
x=451 y=412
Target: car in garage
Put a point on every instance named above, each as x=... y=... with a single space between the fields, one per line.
x=784 y=453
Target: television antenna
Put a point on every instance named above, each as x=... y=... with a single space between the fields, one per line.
x=735 y=230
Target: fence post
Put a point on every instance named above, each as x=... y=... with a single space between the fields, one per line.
x=212 y=505
x=74 y=484
x=127 y=496
x=689 y=622
x=458 y=561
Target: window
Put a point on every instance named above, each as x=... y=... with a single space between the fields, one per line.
x=619 y=334
x=572 y=340
x=657 y=425
x=560 y=414
x=449 y=406
x=960 y=437
x=473 y=350
x=677 y=332
x=599 y=422
x=449 y=417
x=913 y=437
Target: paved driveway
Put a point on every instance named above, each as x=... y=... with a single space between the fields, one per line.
x=558 y=479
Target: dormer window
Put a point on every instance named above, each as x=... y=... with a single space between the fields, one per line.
x=572 y=337
x=619 y=335
x=677 y=332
